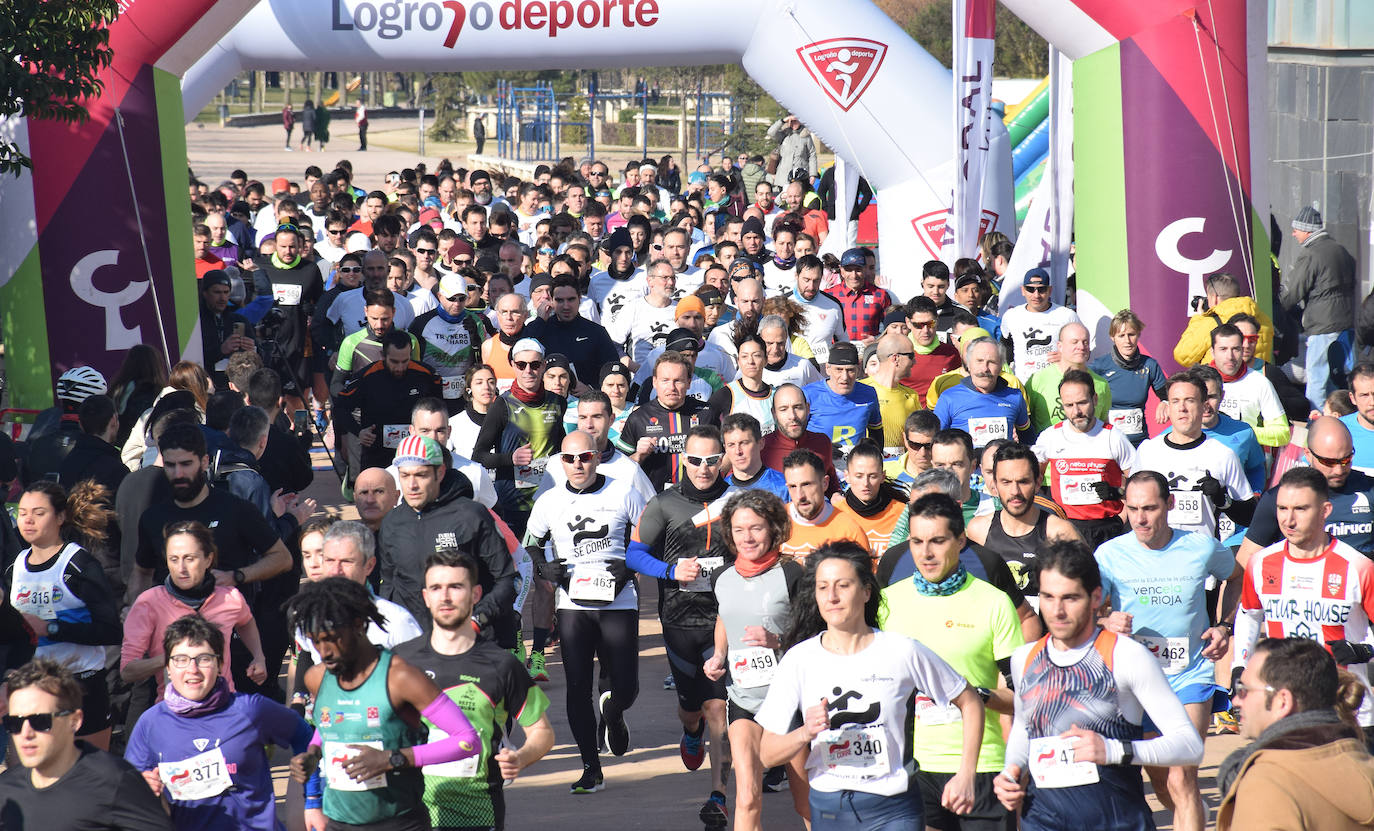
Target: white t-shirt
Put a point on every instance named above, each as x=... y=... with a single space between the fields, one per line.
x=421 y=300
x=1033 y=336
x=639 y=323
x=349 y=310
x=588 y=530
x=1183 y=467
x=463 y=437
x=612 y=294
x=1252 y=399
x=778 y=281
x=869 y=696
x=711 y=357
x=794 y=370
x=824 y=324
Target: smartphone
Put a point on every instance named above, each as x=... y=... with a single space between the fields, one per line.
x=301 y=420
x=238 y=330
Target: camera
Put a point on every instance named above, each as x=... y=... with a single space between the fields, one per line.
x=271 y=324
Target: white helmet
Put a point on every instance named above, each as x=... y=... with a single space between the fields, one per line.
x=79 y=383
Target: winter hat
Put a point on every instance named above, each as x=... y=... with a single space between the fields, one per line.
x=1309 y=219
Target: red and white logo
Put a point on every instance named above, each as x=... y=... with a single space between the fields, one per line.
x=1333 y=583
x=931 y=227
x=844 y=67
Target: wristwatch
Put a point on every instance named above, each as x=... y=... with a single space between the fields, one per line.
x=398 y=760
x=1127 y=754
x=52 y=628
x=983 y=693
x=239 y=577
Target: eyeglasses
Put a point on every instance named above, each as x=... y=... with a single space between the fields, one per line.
x=1341 y=462
x=1243 y=690
x=911 y=355
x=523 y=365
x=705 y=461
x=428 y=252
x=334 y=232
x=585 y=457
x=1036 y=289
x=928 y=324
x=42 y=722
x=350 y=269
x=206 y=660
x=920 y=447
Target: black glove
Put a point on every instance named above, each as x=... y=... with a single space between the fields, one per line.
x=1347 y=653
x=620 y=571
x=1106 y=492
x=1212 y=489
x=555 y=571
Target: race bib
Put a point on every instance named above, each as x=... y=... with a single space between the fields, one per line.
x=199 y=777
x=461 y=769
x=1232 y=407
x=854 y=752
x=930 y=714
x=1052 y=764
x=453 y=386
x=592 y=582
x=984 y=430
x=37 y=599
x=1130 y=421
x=335 y=755
x=1187 y=508
x=1078 y=489
x=286 y=294
x=530 y=475
x=709 y=566
x=394 y=434
x=752 y=666
x=1172 y=653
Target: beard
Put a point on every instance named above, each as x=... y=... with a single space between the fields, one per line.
x=184 y=490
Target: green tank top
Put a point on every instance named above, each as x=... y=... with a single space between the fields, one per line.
x=365 y=716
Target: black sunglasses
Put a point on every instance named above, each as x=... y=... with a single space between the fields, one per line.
x=42 y=722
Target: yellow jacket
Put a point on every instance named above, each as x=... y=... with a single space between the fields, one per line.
x=1195 y=345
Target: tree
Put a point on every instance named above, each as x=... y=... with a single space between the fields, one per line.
x=51 y=52
x=448 y=90
x=1021 y=53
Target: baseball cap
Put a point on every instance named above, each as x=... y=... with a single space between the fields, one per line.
x=527 y=345
x=680 y=339
x=418 y=450
x=280 y=185
x=428 y=215
x=971 y=334
x=696 y=177
x=1036 y=277
x=843 y=354
x=969 y=279
x=853 y=257
x=453 y=285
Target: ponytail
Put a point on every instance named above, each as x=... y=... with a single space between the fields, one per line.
x=87 y=515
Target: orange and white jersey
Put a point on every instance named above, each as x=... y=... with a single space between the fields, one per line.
x=1329 y=597
x=1075 y=461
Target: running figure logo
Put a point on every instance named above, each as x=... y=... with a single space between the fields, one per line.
x=844 y=67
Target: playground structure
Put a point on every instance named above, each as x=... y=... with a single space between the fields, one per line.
x=1167 y=126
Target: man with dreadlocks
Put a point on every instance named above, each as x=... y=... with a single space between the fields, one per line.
x=368 y=706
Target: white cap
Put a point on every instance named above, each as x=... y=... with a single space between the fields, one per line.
x=453 y=285
x=527 y=345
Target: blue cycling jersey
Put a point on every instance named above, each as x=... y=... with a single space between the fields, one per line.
x=844 y=419
x=1165 y=593
x=983 y=415
x=768 y=480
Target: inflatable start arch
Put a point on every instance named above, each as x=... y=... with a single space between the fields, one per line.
x=95 y=250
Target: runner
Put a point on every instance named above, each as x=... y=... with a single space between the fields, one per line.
x=450 y=338
x=1087 y=461
x=679 y=541
x=654 y=434
x=748 y=393
x=61 y=590
x=873 y=504
x=974 y=627
x=368 y=705
x=588 y=520
x=852 y=686
x=984 y=405
x=1154 y=589
x=744 y=455
x=1029 y=329
x=815 y=521
x=1131 y=376
x=1081 y=696
x=492 y=688
x=1310 y=585
x=754 y=595
x=918 y=437
x=841 y=410
x=204 y=746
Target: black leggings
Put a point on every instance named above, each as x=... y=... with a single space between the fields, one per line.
x=612 y=636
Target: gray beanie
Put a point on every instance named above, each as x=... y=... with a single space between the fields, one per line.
x=1308 y=219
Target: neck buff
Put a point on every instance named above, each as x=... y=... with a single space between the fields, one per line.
x=925 y=350
x=530 y=398
x=1229 y=378
x=945 y=587
x=278 y=262
x=870 y=509
x=1129 y=365
x=748 y=569
x=446 y=317
x=193 y=597
x=784 y=264
x=711 y=494
x=218 y=698
x=621 y=275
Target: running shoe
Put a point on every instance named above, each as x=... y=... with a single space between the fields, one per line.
x=538 y=668
x=591 y=782
x=617 y=731
x=775 y=779
x=713 y=814
x=693 y=748
x=670 y=683
x=1224 y=722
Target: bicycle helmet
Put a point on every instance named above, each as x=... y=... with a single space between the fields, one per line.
x=79 y=383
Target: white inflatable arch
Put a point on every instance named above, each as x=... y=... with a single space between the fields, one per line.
x=849 y=73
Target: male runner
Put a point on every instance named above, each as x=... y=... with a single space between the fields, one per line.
x=655 y=433
x=1154 y=588
x=744 y=456
x=491 y=687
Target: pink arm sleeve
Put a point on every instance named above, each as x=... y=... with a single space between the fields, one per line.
x=462 y=740
x=316 y=740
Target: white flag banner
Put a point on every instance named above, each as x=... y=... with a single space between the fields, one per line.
x=975 y=29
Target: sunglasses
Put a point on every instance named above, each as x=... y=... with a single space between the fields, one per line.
x=919 y=446
x=705 y=461
x=350 y=269
x=1243 y=690
x=1341 y=462
x=547 y=251
x=334 y=232
x=1036 y=289
x=585 y=457
x=523 y=365
x=428 y=252
x=911 y=355
x=462 y=261
x=287 y=226
x=1250 y=338
x=929 y=324
x=42 y=722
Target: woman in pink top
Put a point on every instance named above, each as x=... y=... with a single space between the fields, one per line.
x=189 y=590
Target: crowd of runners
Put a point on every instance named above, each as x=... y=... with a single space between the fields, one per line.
x=932 y=561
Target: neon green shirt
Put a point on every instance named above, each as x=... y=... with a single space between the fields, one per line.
x=1042 y=394
x=971 y=630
